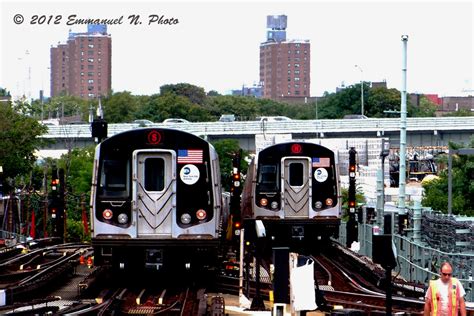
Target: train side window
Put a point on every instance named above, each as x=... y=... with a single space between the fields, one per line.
x=267 y=177
x=296 y=174
x=154 y=174
x=114 y=177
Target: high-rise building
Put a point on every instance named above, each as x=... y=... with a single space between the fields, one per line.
x=284 y=64
x=82 y=66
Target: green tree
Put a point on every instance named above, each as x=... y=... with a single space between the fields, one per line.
x=426 y=108
x=436 y=191
x=78 y=166
x=194 y=93
x=120 y=107
x=380 y=100
x=65 y=106
x=226 y=149
x=18 y=142
x=160 y=107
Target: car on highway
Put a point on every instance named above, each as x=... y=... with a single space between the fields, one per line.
x=273 y=118
x=175 y=120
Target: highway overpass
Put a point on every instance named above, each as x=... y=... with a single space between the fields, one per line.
x=420 y=131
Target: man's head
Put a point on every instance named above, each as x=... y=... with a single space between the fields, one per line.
x=446 y=272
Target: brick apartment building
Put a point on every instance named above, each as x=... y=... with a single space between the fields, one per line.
x=82 y=66
x=284 y=64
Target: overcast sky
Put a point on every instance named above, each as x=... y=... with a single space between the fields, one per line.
x=215 y=45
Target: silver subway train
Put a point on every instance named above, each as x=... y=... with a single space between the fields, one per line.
x=294 y=189
x=156 y=200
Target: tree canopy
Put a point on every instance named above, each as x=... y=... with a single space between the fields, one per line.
x=19 y=140
x=436 y=191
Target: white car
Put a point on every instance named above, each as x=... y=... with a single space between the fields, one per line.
x=273 y=118
x=175 y=120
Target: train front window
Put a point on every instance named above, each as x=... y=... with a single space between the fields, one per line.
x=154 y=174
x=296 y=174
x=114 y=177
x=268 y=178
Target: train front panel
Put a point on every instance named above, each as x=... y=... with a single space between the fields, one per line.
x=295 y=191
x=154 y=199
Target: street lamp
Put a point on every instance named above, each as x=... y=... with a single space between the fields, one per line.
x=361 y=89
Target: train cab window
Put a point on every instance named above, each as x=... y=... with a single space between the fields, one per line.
x=114 y=177
x=154 y=174
x=267 y=178
x=296 y=174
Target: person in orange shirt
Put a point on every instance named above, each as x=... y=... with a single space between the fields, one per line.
x=445 y=296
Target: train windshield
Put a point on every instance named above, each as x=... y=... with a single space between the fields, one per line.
x=296 y=174
x=114 y=178
x=268 y=178
x=154 y=174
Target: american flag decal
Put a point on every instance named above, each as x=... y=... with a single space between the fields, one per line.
x=190 y=156
x=321 y=162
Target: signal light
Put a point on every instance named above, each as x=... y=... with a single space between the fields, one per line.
x=201 y=214
x=351 y=203
x=107 y=214
x=237 y=225
x=54 y=184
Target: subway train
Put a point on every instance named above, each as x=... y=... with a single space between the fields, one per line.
x=294 y=189
x=156 y=201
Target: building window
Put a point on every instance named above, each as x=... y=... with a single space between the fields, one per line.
x=289 y=78
x=91 y=45
x=90 y=67
x=99 y=52
x=90 y=39
x=297 y=52
x=289 y=65
x=90 y=81
x=289 y=71
x=82 y=74
x=90 y=52
x=98 y=74
x=82 y=67
x=297 y=78
x=297 y=92
x=297 y=72
x=91 y=60
x=90 y=74
x=297 y=86
x=297 y=45
x=90 y=95
x=82 y=53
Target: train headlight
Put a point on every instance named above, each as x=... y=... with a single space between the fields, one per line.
x=185 y=218
x=263 y=202
x=107 y=214
x=122 y=218
x=318 y=204
x=201 y=214
x=274 y=205
x=329 y=202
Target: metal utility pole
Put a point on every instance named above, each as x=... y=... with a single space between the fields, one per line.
x=403 y=131
x=361 y=90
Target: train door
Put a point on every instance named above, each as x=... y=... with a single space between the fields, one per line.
x=296 y=186
x=154 y=193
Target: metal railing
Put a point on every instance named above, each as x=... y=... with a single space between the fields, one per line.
x=292 y=126
x=417 y=262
